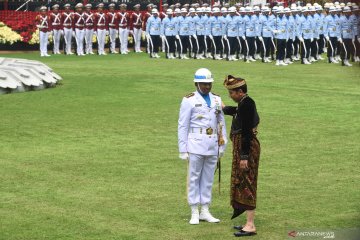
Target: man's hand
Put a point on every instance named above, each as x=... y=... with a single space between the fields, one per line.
x=244 y=164
x=184 y=156
x=177 y=37
x=261 y=39
x=222 y=104
x=327 y=38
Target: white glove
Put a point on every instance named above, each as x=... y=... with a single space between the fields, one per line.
x=275 y=31
x=61 y=32
x=225 y=38
x=162 y=36
x=359 y=39
x=211 y=37
x=95 y=33
x=184 y=156
x=107 y=32
x=340 y=40
x=177 y=36
x=301 y=39
x=194 y=36
x=243 y=37
x=131 y=32
x=261 y=39
x=327 y=38
x=353 y=40
x=147 y=35
x=73 y=33
x=312 y=39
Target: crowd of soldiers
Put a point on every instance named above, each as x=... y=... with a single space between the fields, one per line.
x=280 y=34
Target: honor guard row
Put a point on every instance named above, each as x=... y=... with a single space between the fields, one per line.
x=232 y=33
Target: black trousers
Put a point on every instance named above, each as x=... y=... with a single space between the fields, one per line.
x=185 y=44
x=207 y=44
x=218 y=44
x=331 y=49
x=305 y=48
x=243 y=49
x=357 y=45
x=281 y=46
x=272 y=46
x=266 y=52
x=251 y=44
x=155 y=43
x=296 y=45
x=201 y=42
x=314 y=48
x=346 y=49
x=170 y=44
x=258 y=46
x=234 y=45
x=193 y=42
x=289 y=48
x=321 y=44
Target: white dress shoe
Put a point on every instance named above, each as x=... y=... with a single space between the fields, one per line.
x=205 y=215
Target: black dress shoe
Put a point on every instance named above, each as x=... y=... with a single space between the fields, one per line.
x=244 y=234
x=239 y=227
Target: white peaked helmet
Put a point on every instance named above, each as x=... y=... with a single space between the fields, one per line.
x=192 y=10
x=200 y=10
x=177 y=10
x=232 y=9
x=183 y=10
x=154 y=10
x=216 y=10
x=242 y=9
x=346 y=9
x=208 y=9
x=287 y=10
x=203 y=75
x=169 y=11
x=332 y=9
x=224 y=10
x=256 y=8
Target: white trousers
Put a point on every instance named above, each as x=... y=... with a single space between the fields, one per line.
x=201 y=178
x=43 y=42
x=56 y=40
x=101 y=33
x=137 y=39
x=88 y=40
x=67 y=38
x=123 y=35
x=112 y=34
x=80 y=36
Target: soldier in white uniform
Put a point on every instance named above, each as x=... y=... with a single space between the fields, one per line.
x=201 y=129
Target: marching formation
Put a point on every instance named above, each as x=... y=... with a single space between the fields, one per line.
x=280 y=34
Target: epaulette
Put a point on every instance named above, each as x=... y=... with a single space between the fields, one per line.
x=190 y=95
x=215 y=94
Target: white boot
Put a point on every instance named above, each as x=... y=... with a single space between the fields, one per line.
x=320 y=57
x=282 y=63
x=205 y=215
x=306 y=61
x=277 y=63
x=217 y=57
x=183 y=56
x=241 y=56
x=287 y=61
x=346 y=63
x=234 y=58
x=332 y=60
x=194 y=215
x=312 y=59
x=357 y=59
x=252 y=59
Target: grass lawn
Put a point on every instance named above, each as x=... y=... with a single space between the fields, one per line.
x=97 y=157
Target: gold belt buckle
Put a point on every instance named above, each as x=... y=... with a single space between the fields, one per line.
x=209 y=131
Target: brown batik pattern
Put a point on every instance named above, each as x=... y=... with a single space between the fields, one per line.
x=244 y=181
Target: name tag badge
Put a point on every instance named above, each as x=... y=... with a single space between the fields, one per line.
x=198 y=105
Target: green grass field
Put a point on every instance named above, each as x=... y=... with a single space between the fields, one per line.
x=97 y=157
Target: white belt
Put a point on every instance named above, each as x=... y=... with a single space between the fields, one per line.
x=206 y=131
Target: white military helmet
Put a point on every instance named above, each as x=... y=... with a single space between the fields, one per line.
x=346 y=9
x=242 y=9
x=275 y=9
x=177 y=10
x=43 y=8
x=293 y=5
x=232 y=9
x=203 y=75
x=256 y=9
x=287 y=10
x=319 y=8
x=192 y=10
x=342 y=4
x=183 y=10
x=308 y=5
x=355 y=8
x=154 y=10
x=311 y=9
x=169 y=11
x=216 y=10
x=349 y=4
x=248 y=9
x=208 y=9
x=336 y=3
x=332 y=9
x=224 y=10
x=200 y=10
x=304 y=9
x=293 y=9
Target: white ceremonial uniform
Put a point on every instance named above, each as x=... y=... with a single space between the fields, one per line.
x=123 y=32
x=198 y=136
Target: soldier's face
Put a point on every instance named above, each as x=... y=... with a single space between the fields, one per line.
x=204 y=88
x=236 y=95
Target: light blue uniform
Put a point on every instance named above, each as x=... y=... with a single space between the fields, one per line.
x=317 y=25
x=356 y=22
x=231 y=26
x=241 y=26
x=250 y=27
x=331 y=28
x=192 y=24
x=282 y=26
x=292 y=27
x=216 y=26
x=200 y=25
x=347 y=27
x=258 y=25
x=306 y=27
x=153 y=25
x=267 y=23
x=184 y=26
x=169 y=26
x=206 y=20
